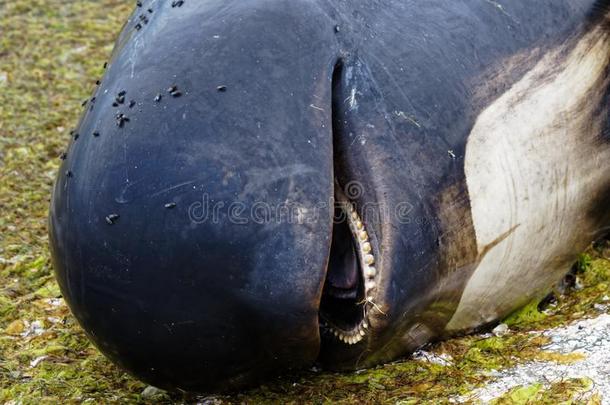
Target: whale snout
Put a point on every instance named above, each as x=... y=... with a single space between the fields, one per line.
x=191 y=222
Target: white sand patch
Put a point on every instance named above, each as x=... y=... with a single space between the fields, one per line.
x=590 y=337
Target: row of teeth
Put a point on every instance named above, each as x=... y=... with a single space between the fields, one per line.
x=352 y=337
x=365 y=250
x=367 y=261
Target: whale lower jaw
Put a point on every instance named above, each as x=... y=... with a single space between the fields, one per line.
x=360 y=298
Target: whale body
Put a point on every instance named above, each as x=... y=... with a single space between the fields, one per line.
x=260 y=185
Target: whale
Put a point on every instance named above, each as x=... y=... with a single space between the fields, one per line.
x=259 y=186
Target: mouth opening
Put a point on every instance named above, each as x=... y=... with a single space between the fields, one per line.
x=350 y=279
x=351 y=276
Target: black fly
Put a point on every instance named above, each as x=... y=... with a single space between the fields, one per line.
x=112 y=218
x=121 y=119
x=174 y=92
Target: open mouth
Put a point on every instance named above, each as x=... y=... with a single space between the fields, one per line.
x=350 y=281
x=351 y=277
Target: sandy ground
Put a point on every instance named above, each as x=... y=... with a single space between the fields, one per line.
x=589 y=337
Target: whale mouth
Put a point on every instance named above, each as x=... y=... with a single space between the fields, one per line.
x=350 y=281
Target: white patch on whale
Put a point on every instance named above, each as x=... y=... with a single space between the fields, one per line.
x=534 y=164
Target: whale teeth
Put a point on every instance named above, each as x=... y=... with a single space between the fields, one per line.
x=369 y=272
x=353 y=337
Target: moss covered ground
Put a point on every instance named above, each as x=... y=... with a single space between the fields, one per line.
x=51 y=53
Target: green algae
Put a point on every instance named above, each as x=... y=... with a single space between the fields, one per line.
x=51 y=53
x=527 y=315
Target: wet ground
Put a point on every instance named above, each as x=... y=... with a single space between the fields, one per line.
x=589 y=338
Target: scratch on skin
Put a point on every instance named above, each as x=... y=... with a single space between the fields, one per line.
x=132 y=59
x=125 y=160
x=412 y=120
x=170 y=326
x=497 y=241
x=128 y=184
x=257 y=178
x=353 y=102
x=316 y=107
x=499 y=7
x=165 y=190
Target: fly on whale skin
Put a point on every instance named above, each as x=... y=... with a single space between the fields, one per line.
x=441 y=163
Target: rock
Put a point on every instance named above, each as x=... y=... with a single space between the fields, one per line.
x=209 y=401
x=37 y=361
x=501 y=330
x=578 y=285
x=35 y=328
x=442 y=359
x=151 y=392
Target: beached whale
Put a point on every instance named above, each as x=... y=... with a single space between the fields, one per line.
x=260 y=185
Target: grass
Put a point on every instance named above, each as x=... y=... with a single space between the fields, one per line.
x=571 y=391
x=51 y=53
